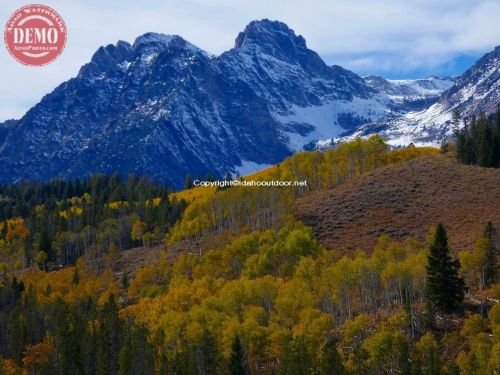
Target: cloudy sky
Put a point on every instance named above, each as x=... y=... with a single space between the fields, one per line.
x=393 y=38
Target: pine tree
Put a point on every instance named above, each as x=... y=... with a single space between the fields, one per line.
x=479 y=142
x=207 y=355
x=108 y=339
x=456 y=118
x=490 y=266
x=330 y=360
x=44 y=244
x=188 y=182
x=297 y=359
x=75 y=279
x=485 y=144
x=237 y=361
x=444 y=286
x=496 y=148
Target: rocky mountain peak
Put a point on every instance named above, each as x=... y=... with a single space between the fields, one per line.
x=269 y=34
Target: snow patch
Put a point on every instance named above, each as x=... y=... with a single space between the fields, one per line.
x=325 y=119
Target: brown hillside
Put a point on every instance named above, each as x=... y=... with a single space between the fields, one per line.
x=406 y=200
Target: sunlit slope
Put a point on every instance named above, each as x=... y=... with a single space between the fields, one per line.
x=405 y=199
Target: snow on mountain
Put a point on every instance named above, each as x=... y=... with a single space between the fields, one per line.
x=164 y=108
x=303 y=94
x=408 y=95
x=476 y=91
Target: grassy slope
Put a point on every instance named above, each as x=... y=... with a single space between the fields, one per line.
x=405 y=200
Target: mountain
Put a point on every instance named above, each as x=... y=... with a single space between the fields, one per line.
x=162 y=107
x=159 y=107
x=476 y=91
x=165 y=108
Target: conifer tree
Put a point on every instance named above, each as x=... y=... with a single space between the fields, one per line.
x=44 y=244
x=207 y=355
x=490 y=265
x=237 y=361
x=297 y=359
x=188 y=182
x=330 y=360
x=444 y=286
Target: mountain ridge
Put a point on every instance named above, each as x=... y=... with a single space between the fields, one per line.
x=165 y=108
x=476 y=91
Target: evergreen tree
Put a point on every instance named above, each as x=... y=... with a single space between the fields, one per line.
x=207 y=355
x=75 y=279
x=109 y=338
x=188 y=182
x=237 y=361
x=455 y=120
x=44 y=244
x=485 y=144
x=297 y=359
x=444 y=286
x=330 y=360
x=136 y=354
x=490 y=266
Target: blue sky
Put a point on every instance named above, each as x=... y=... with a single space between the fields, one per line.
x=455 y=66
x=392 y=38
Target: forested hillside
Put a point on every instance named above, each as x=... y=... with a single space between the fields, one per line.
x=53 y=224
x=244 y=287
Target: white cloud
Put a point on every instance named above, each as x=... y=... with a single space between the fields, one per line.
x=361 y=34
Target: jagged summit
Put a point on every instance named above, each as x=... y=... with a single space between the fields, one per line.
x=276 y=39
x=266 y=33
x=478 y=89
x=161 y=42
x=153 y=39
x=112 y=53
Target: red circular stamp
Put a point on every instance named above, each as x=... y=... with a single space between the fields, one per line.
x=35 y=35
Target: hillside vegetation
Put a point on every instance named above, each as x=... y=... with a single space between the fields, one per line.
x=404 y=200
x=52 y=224
x=213 y=216
x=245 y=287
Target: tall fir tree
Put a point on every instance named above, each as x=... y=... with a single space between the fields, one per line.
x=330 y=360
x=206 y=355
x=297 y=359
x=444 y=286
x=188 y=182
x=490 y=264
x=237 y=361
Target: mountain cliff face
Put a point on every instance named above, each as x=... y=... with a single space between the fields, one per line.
x=162 y=107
